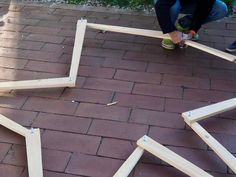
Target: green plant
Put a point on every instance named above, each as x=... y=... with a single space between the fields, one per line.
x=75 y=1
x=134 y=4
x=141 y=2
x=119 y=3
x=229 y=3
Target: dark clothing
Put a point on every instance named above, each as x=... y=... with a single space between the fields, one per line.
x=202 y=10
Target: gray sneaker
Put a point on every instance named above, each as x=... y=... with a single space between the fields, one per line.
x=231 y=47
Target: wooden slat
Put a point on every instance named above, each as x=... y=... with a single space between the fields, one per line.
x=130 y=163
x=127 y=30
x=33 y=145
x=210 y=50
x=208 y=111
x=34 y=153
x=220 y=150
x=159 y=34
x=79 y=40
x=35 y=84
x=54 y=82
x=171 y=157
x=13 y=126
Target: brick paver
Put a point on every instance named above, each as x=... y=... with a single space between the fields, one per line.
x=81 y=164
x=81 y=135
x=4 y=149
x=70 y=142
x=10 y=170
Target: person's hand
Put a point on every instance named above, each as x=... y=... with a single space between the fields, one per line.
x=176 y=36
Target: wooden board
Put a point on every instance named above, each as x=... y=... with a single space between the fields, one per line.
x=127 y=30
x=79 y=40
x=159 y=34
x=130 y=163
x=13 y=126
x=212 y=51
x=220 y=150
x=34 y=153
x=36 y=84
x=33 y=145
x=208 y=111
x=69 y=81
x=171 y=157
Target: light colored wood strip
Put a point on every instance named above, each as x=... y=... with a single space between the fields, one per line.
x=130 y=163
x=34 y=153
x=171 y=157
x=35 y=84
x=210 y=50
x=127 y=30
x=220 y=150
x=79 y=40
x=208 y=111
x=159 y=34
x=13 y=126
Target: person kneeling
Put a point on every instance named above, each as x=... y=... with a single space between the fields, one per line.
x=198 y=13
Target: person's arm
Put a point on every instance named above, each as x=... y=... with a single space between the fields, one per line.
x=202 y=11
x=162 y=8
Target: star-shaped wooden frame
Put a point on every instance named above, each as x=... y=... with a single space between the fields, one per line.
x=145 y=143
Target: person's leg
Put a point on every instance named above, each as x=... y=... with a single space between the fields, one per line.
x=218 y=11
x=185 y=22
x=231 y=47
x=174 y=10
x=174 y=13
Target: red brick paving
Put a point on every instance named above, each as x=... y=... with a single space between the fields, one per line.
x=62 y=123
x=88 y=165
x=70 y=142
x=10 y=170
x=116 y=148
x=81 y=135
x=3 y=150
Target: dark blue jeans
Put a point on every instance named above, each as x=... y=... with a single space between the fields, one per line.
x=218 y=11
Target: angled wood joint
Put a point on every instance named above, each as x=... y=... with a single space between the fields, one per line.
x=33 y=145
x=158 y=150
x=209 y=111
x=192 y=118
x=68 y=81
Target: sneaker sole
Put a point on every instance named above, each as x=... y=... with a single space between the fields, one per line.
x=167 y=47
x=230 y=50
x=195 y=40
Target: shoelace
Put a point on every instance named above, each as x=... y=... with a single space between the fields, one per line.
x=188 y=36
